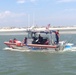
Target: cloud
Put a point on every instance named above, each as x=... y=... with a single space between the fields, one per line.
x=12 y=18
x=4 y=14
x=65 y=1
x=21 y=1
x=7 y=14
x=33 y=0
x=71 y=9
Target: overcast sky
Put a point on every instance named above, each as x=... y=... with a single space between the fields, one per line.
x=23 y=13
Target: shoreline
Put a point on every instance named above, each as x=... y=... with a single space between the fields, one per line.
x=62 y=30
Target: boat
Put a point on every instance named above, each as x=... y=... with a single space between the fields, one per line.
x=35 y=45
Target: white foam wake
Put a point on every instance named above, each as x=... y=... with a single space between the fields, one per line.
x=29 y=50
x=70 y=49
x=7 y=48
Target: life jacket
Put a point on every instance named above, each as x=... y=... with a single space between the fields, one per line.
x=10 y=41
x=14 y=41
x=18 y=43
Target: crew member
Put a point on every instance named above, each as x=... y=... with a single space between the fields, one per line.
x=10 y=41
x=25 y=40
x=57 y=36
x=40 y=41
x=15 y=40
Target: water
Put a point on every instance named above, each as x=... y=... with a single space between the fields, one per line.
x=37 y=63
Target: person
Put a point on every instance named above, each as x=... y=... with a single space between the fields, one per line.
x=47 y=42
x=10 y=41
x=35 y=40
x=57 y=36
x=14 y=40
x=25 y=40
x=17 y=43
x=40 y=39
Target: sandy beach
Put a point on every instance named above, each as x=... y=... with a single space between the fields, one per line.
x=62 y=30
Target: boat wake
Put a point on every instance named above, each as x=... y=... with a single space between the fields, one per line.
x=10 y=49
x=29 y=50
x=70 y=49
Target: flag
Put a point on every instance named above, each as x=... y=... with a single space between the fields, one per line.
x=48 y=26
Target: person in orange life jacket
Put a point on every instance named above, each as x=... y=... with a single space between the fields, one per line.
x=14 y=40
x=10 y=40
x=57 y=36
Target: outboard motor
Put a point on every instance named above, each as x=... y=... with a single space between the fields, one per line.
x=61 y=45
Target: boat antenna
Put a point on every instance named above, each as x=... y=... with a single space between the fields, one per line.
x=28 y=20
